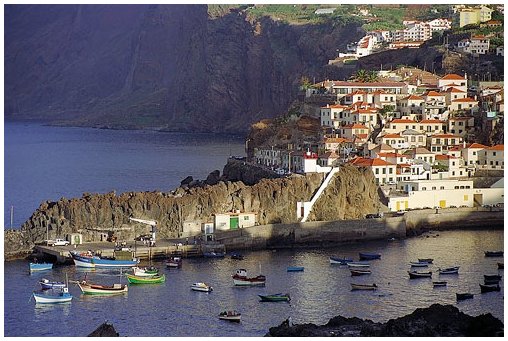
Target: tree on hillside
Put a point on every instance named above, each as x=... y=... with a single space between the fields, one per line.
x=364 y=76
x=305 y=83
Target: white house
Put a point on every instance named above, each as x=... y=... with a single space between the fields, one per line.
x=491 y=158
x=234 y=220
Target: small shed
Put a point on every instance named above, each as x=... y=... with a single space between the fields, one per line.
x=75 y=238
x=234 y=220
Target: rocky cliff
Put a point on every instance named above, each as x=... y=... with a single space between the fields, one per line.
x=165 y=67
x=273 y=200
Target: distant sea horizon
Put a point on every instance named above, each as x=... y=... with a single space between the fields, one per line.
x=47 y=162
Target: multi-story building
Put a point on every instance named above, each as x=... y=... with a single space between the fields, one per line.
x=491 y=158
x=452 y=80
x=384 y=172
x=473 y=15
x=476 y=45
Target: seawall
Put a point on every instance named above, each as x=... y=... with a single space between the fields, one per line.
x=329 y=233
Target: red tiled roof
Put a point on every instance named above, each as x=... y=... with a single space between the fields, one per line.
x=355 y=126
x=362 y=136
x=432 y=93
x=431 y=121
x=335 y=106
x=467 y=99
x=444 y=157
x=336 y=140
x=476 y=146
x=390 y=136
x=497 y=147
x=453 y=76
x=414 y=97
x=389 y=155
x=453 y=89
x=366 y=162
x=445 y=136
x=399 y=120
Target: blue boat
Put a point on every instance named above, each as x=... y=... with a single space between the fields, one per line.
x=340 y=260
x=40 y=266
x=295 y=268
x=90 y=261
x=369 y=256
x=47 y=284
x=52 y=296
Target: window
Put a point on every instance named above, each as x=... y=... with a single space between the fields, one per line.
x=390 y=170
x=384 y=170
x=433 y=188
x=246 y=217
x=424 y=188
x=377 y=170
x=466 y=198
x=442 y=187
x=493 y=153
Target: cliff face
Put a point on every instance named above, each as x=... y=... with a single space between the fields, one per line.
x=273 y=200
x=167 y=67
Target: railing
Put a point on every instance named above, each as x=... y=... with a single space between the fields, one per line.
x=316 y=196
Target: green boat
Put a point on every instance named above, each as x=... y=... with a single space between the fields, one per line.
x=275 y=298
x=145 y=280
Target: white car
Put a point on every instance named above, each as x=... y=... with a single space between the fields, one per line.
x=60 y=242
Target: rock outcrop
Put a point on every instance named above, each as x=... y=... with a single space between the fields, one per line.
x=273 y=200
x=104 y=330
x=436 y=320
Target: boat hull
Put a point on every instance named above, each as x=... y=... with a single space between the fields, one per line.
x=369 y=256
x=494 y=253
x=419 y=264
x=360 y=272
x=52 y=299
x=295 y=268
x=201 y=288
x=45 y=285
x=489 y=287
x=249 y=282
x=89 y=289
x=464 y=296
x=144 y=272
x=363 y=286
x=230 y=318
x=413 y=275
x=40 y=266
x=358 y=264
x=145 y=280
x=439 y=284
x=96 y=262
x=274 y=298
x=341 y=261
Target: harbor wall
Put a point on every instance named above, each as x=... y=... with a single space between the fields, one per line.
x=329 y=233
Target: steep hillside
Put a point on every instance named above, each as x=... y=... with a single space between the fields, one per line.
x=165 y=67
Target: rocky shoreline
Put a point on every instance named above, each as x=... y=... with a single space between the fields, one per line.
x=435 y=321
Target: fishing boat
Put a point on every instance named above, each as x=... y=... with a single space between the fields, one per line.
x=40 y=266
x=417 y=274
x=369 y=256
x=88 y=260
x=426 y=260
x=493 y=253
x=439 y=283
x=236 y=255
x=295 y=268
x=174 y=262
x=464 y=296
x=492 y=277
x=340 y=260
x=419 y=264
x=363 y=286
x=240 y=279
x=145 y=280
x=449 y=271
x=145 y=272
x=359 y=272
x=489 y=287
x=201 y=287
x=232 y=316
x=491 y=281
x=60 y=295
x=358 y=264
x=47 y=284
x=213 y=254
x=275 y=298
x=98 y=289
x=500 y=265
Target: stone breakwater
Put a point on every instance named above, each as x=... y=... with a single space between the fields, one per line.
x=350 y=195
x=436 y=320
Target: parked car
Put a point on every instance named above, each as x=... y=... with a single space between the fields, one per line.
x=401 y=212
x=60 y=242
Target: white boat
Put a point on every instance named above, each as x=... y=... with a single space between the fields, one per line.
x=358 y=264
x=230 y=316
x=240 y=279
x=419 y=264
x=98 y=289
x=449 y=271
x=53 y=296
x=201 y=287
x=145 y=272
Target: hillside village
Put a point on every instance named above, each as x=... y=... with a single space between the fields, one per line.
x=416 y=131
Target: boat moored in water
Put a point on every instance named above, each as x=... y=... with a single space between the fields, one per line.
x=419 y=264
x=98 y=289
x=145 y=279
x=494 y=253
x=464 y=296
x=174 y=262
x=360 y=271
x=275 y=298
x=417 y=274
x=237 y=256
x=492 y=277
x=145 y=272
x=47 y=284
x=500 y=265
x=449 y=271
x=369 y=256
x=88 y=260
x=295 y=268
x=439 y=283
x=358 y=264
x=340 y=260
x=213 y=254
x=426 y=260
x=489 y=287
x=240 y=279
x=60 y=295
x=231 y=315
x=363 y=286
x=40 y=266
x=200 y=286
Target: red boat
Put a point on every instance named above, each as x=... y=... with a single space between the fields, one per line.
x=174 y=262
x=240 y=278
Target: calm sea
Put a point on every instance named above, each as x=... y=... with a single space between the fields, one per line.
x=48 y=163
x=318 y=293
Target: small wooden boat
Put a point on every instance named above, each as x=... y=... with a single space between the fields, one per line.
x=419 y=264
x=489 y=287
x=174 y=262
x=240 y=279
x=275 y=298
x=493 y=253
x=369 y=256
x=236 y=255
x=145 y=279
x=232 y=316
x=295 y=268
x=213 y=254
x=363 y=286
x=358 y=264
x=464 y=296
x=340 y=260
x=426 y=260
x=439 y=283
x=449 y=271
x=145 y=272
x=359 y=272
x=201 y=287
x=61 y=295
x=417 y=274
x=47 y=284
x=500 y=265
x=40 y=266
x=492 y=277
x=98 y=289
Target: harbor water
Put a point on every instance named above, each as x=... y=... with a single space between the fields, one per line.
x=317 y=294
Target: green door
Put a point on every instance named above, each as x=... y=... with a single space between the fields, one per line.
x=233 y=223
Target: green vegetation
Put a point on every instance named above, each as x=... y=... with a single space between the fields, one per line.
x=363 y=75
x=385 y=17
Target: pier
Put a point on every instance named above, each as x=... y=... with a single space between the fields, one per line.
x=163 y=249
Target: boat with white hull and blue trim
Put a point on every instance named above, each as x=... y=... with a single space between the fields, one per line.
x=87 y=260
